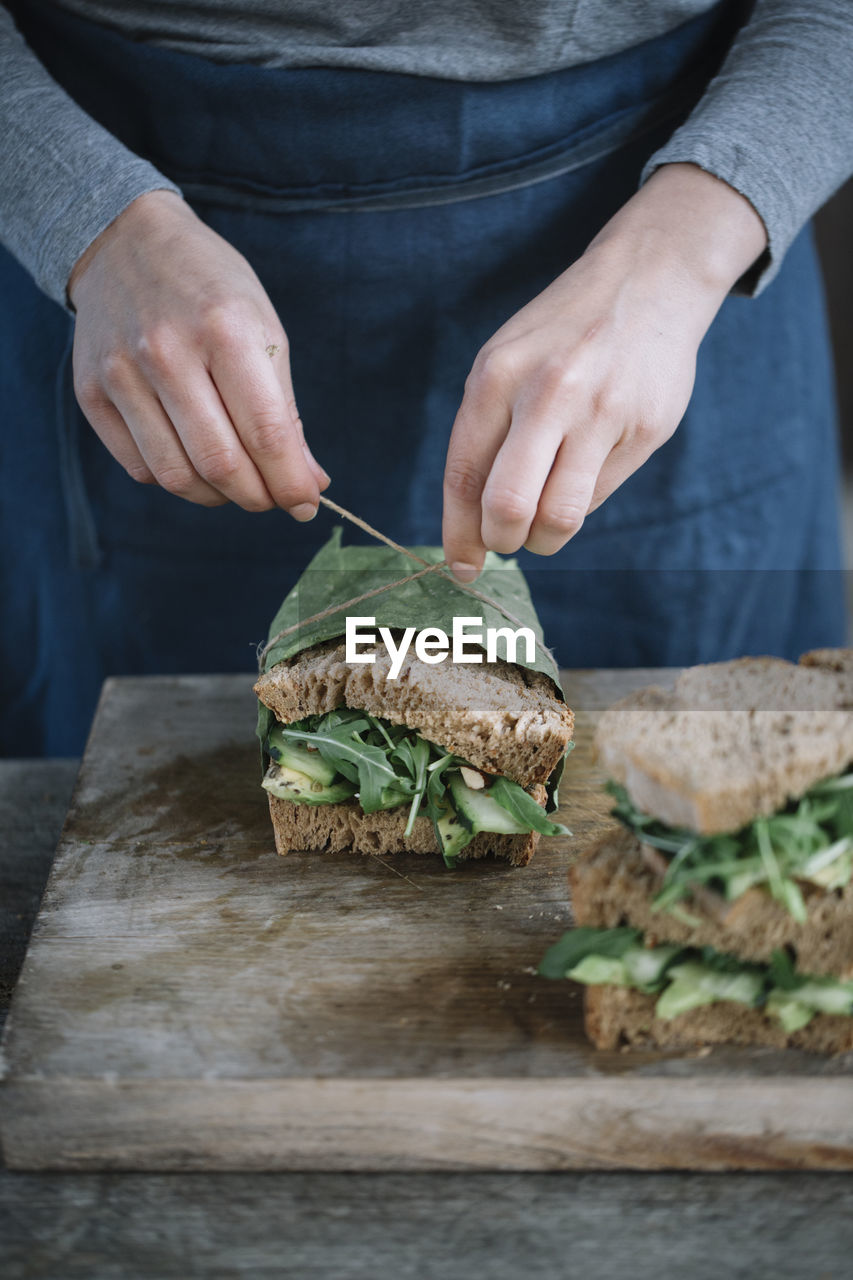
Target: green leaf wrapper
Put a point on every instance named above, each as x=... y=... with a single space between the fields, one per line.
x=338 y=573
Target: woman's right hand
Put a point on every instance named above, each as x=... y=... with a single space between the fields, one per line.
x=181 y=364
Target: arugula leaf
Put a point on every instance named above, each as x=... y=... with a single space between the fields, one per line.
x=520 y=804
x=782 y=971
x=414 y=757
x=811 y=840
x=577 y=944
x=339 y=742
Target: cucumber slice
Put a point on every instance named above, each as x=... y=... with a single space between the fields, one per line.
x=301 y=788
x=790 y=1012
x=599 y=971
x=453 y=834
x=645 y=966
x=639 y=967
x=481 y=811
x=828 y=996
x=694 y=984
x=295 y=755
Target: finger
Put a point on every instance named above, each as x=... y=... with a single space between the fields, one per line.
x=212 y=445
x=323 y=478
x=157 y=441
x=478 y=432
x=567 y=494
x=111 y=429
x=518 y=476
x=267 y=425
x=281 y=365
x=626 y=458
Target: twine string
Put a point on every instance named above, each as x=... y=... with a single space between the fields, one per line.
x=441 y=567
x=376 y=533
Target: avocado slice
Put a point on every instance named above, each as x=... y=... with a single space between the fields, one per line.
x=301 y=788
x=297 y=756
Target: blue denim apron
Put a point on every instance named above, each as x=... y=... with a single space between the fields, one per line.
x=396 y=222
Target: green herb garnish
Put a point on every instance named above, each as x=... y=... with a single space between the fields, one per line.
x=685 y=978
x=811 y=840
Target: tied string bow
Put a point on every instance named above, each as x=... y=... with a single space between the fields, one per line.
x=441 y=567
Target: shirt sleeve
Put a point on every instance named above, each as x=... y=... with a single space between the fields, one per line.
x=776 y=123
x=63 y=178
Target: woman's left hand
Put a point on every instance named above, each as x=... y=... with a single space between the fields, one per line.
x=579 y=388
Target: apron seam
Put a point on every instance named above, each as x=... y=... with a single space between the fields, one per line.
x=674 y=517
x=626 y=128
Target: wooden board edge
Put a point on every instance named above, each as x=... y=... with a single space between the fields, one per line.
x=378 y=1125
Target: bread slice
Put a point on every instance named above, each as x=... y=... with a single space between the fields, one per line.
x=500 y=717
x=731 y=741
x=336 y=828
x=620 y=1015
x=840 y=660
x=614 y=883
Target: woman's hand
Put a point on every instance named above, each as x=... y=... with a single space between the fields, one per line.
x=181 y=364
x=578 y=388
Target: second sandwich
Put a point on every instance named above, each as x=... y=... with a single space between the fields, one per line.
x=722 y=910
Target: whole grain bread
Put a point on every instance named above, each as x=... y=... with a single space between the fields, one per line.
x=614 y=883
x=829 y=659
x=620 y=1015
x=733 y=740
x=344 y=827
x=502 y=718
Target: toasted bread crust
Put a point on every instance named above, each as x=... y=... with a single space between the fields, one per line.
x=338 y=828
x=620 y=1015
x=612 y=883
x=733 y=740
x=840 y=660
x=501 y=717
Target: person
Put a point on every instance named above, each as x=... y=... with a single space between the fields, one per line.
x=554 y=231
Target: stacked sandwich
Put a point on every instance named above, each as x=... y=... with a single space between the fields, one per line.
x=376 y=757
x=722 y=909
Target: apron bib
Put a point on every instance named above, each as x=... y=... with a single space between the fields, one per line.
x=396 y=222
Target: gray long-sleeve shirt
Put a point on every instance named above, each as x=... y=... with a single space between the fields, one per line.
x=776 y=123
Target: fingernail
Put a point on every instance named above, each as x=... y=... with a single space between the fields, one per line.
x=464 y=572
x=324 y=475
x=303 y=511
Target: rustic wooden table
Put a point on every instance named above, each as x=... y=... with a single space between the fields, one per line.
x=448 y=1225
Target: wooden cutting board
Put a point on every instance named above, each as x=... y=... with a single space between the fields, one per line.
x=192 y=1001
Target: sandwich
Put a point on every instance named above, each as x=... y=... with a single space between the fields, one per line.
x=379 y=754
x=720 y=909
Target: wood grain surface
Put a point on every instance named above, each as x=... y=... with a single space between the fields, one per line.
x=192 y=1001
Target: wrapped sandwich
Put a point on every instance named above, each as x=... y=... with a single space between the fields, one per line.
x=387 y=751
x=721 y=909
